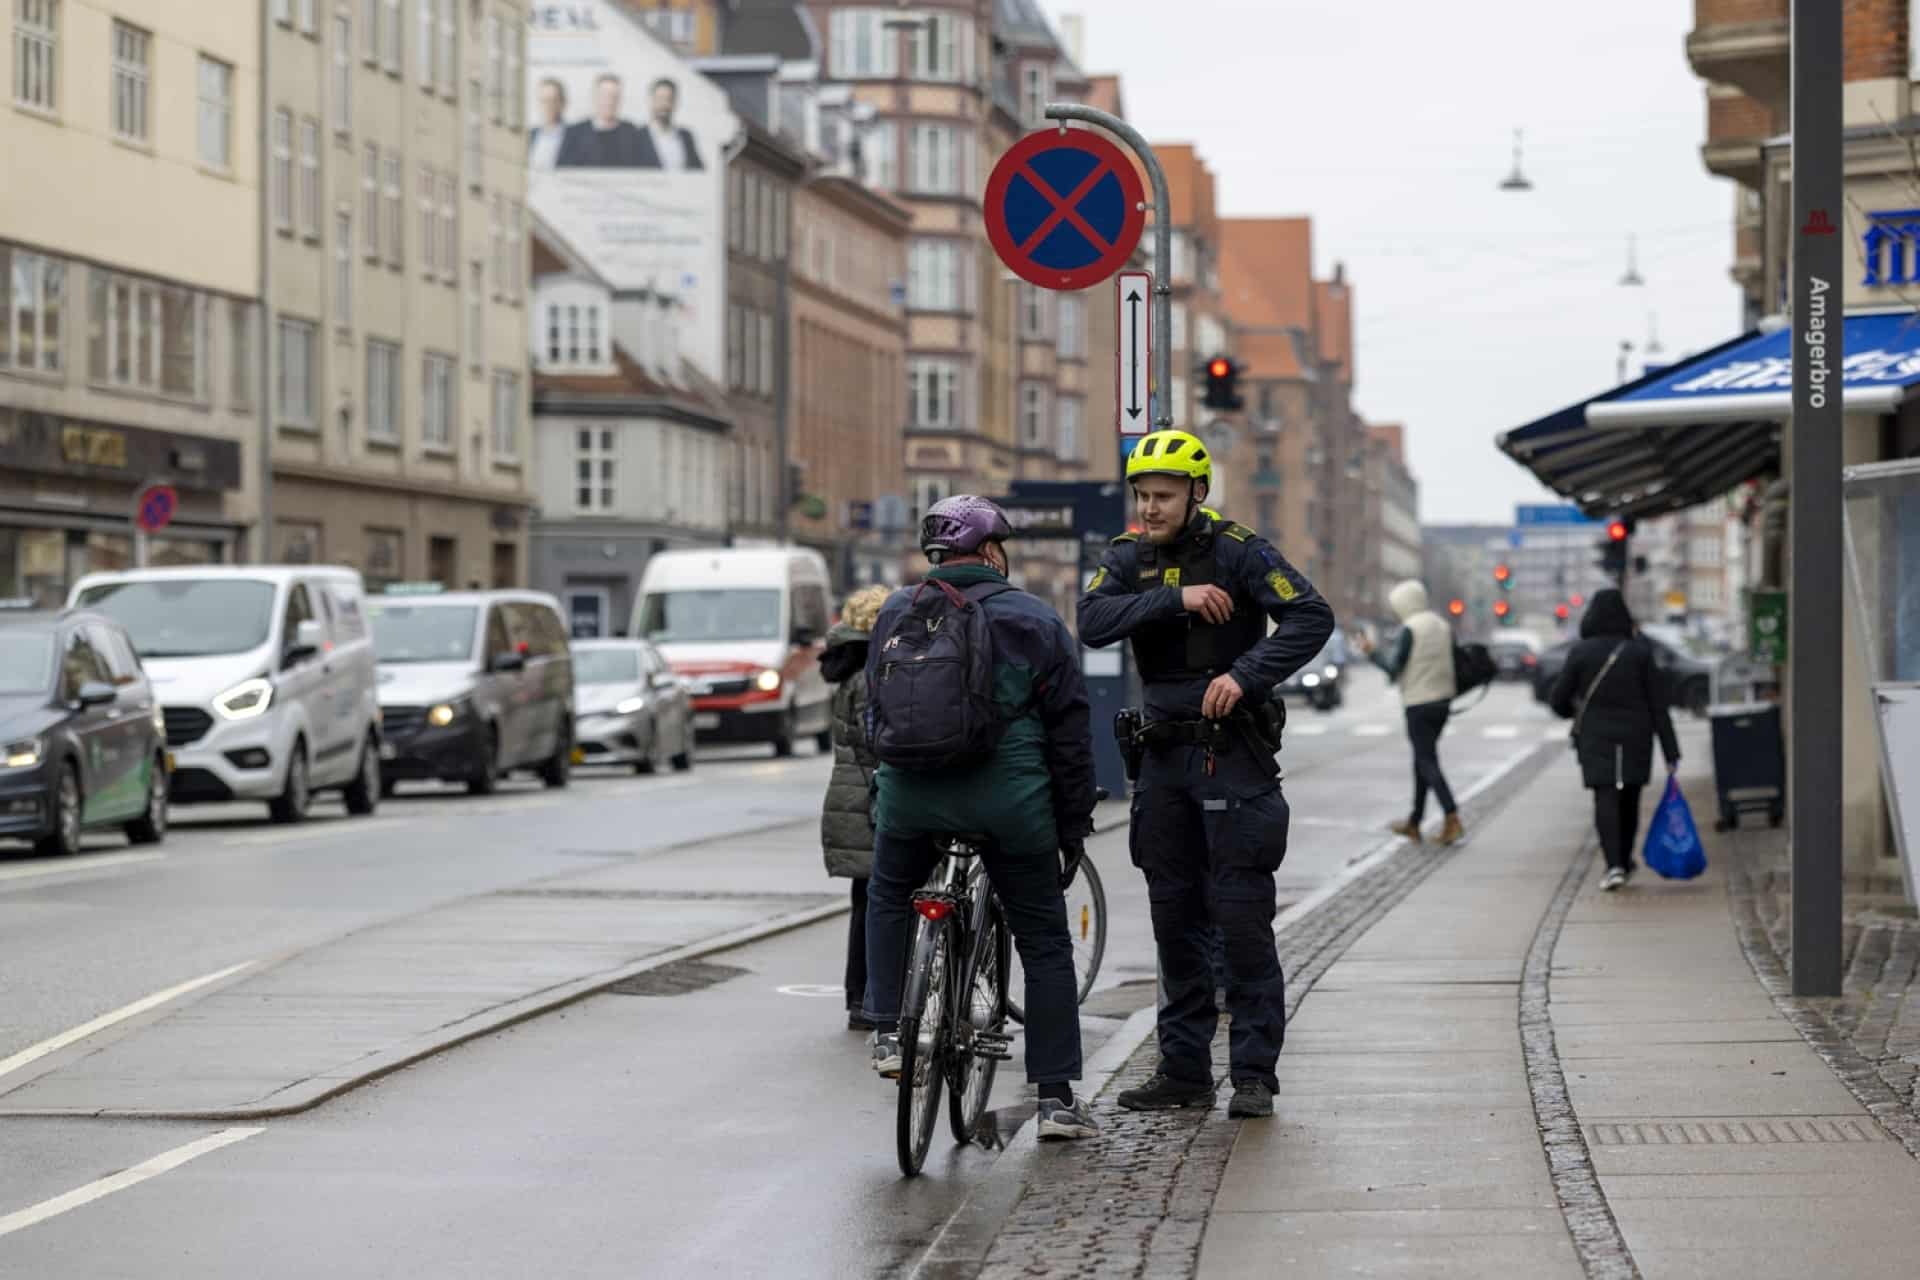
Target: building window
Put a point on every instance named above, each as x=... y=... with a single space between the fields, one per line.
x=933 y=393
x=449 y=241
x=147 y=336
x=240 y=368
x=736 y=209
x=496 y=70
x=767 y=353
x=310 y=178
x=593 y=470
x=448 y=66
x=476 y=315
x=516 y=251
x=390 y=38
x=131 y=50
x=36 y=297
x=1178 y=336
x=675 y=26
x=940 y=160
x=928 y=490
x=343 y=269
x=1073 y=327
x=294 y=389
x=1071 y=413
x=1036 y=313
x=436 y=401
x=750 y=368
x=864 y=48
x=383 y=390
x=342 y=73
x=425 y=42
x=942 y=49
x=573 y=335
x=370 y=200
x=216 y=114
x=880 y=157
x=938 y=272
x=506 y=417
x=516 y=58
x=476 y=172
x=396 y=209
x=370 y=31
x=736 y=346
x=36 y=54
x=309 y=21
x=1035 y=88
x=283 y=169
x=429 y=223
x=1033 y=415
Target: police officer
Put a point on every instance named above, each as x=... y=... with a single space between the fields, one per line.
x=1193 y=592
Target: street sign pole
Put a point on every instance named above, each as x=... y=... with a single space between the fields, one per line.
x=1814 y=617
x=1133 y=353
x=1162 y=243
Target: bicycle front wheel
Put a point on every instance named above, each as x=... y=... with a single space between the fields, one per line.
x=982 y=1007
x=923 y=1033
x=1086 y=926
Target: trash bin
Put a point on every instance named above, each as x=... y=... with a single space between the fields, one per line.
x=1749 y=762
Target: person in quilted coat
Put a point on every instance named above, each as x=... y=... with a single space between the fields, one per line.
x=846 y=819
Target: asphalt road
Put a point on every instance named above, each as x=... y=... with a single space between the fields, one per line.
x=730 y=1129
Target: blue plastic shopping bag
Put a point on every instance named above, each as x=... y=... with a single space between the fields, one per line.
x=1673 y=842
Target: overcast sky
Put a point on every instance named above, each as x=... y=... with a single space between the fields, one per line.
x=1390 y=123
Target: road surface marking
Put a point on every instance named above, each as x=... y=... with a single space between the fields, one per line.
x=817 y=990
x=1552 y=732
x=1371 y=730
x=133 y=1177
x=1501 y=732
x=1308 y=730
x=33 y=1053
x=85 y=862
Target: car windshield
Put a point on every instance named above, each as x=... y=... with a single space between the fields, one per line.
x=26 y=661
x=188 y=617
x=685 y=617
x=423 y=632
x=606 y=666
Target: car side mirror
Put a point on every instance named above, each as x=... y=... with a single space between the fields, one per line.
x=96 y=693
x=665 y=680
x=508 y=660
x=307 y=638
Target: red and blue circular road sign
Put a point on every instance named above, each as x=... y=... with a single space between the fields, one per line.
x=1064 y=210
x=154 y=507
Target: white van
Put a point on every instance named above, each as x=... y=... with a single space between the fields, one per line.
x=265 y=675
x=746 y=628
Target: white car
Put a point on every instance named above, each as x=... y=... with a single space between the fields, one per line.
x=265 y=677
x=633 y=708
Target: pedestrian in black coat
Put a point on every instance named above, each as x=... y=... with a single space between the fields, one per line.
x=1617 y=699
x=846 y=816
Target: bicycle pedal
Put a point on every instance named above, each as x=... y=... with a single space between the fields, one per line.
x=991 y=1044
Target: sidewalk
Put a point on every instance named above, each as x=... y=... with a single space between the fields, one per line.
x=1689 y=1129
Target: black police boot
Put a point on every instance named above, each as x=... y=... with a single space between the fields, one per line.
x=1251 y=1098
x=1164 y=1093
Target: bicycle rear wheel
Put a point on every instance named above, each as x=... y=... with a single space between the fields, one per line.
x=923 y=1033
x=1086 y=924
x=983 y=1005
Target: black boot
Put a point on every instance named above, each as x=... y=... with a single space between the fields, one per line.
x=1164 y=1093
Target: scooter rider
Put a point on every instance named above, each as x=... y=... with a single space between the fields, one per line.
x=1193 y=592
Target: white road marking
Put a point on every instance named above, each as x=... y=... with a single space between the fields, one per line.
x=166 y=1160
x=816 y=990
x=1371 y=730
x=1501 y=732
x=70 y=866
x=33 y=1053
x=1307 y=730
x=1552 y=733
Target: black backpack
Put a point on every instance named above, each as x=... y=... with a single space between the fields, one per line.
x=930 y=704
x=1473 y=666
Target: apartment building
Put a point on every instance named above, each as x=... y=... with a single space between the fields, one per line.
x=1391 y=551
x=396 y=286
x=762 y=176
x=129 y=253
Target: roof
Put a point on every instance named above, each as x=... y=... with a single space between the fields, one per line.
x=779 y=27
x=628 y=383
x=1103 y=92
x=1390 y=436
x=1189 y=186
x=1266 y=266
x=1021 y=23
x=1268 y=353
x=1333 y=322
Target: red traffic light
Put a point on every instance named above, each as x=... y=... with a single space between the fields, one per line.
x=1577 y=601
x=1617 y=531
x=1562 y=612
x=1500 y=608
x=1456 y=607
x=1501 y=573
x=1220 y=367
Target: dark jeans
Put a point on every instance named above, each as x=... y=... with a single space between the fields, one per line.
x=1028 y=883
x=1209 y=844
x=1425 y=724
x=856 y=980
x=1616 y=815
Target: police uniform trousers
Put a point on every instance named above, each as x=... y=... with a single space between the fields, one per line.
x=1209 y=845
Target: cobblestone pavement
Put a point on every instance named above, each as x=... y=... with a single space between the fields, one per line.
x=1140 y=1209
x=1870 y=1034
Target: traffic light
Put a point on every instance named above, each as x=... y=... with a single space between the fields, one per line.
x=1577 y=600
x=1562 y=612
x=1223 y=383
x=1503 y=575
x=1613 y=549
x=1501 y=609
x=1456 y=607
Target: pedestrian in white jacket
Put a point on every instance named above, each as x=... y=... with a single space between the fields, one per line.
x=1420 y=661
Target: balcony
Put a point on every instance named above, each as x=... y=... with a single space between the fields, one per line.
x=1736 y=127
x=1744 y=43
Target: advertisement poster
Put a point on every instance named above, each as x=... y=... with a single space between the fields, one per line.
x=626 y=150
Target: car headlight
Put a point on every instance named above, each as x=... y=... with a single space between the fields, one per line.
x=159 y=720
x=443 y=714
x=1311 y=681
x=1332 y=672
x=245 y=700
x=767 y=681
x=629 y=706
x=24 y=754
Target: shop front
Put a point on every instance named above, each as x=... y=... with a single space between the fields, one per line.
x=67 y=488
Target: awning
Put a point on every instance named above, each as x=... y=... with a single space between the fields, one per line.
x=1752 y=378
x=1687 y=433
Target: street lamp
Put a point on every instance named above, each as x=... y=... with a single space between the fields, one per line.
x=1516 y=181
x=1632 y=277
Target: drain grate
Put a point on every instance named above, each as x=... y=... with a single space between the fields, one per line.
x=677 y=979
x=1735 y=1132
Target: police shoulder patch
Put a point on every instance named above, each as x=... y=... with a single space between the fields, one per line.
x=1238 y=532
x=1282 y=586
x=1125 y=537
x=1099 y=576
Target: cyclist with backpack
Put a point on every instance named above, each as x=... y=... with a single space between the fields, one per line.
x=978 y=713
x=1194 y=593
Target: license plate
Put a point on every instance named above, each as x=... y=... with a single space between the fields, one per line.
x=579 y=755
x=706 y=720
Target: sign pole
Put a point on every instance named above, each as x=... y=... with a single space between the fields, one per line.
x=1814 y=649
x=1162 y=244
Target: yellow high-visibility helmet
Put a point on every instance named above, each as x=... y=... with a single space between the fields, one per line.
x=1171 y=453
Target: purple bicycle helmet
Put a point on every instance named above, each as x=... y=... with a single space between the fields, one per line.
x=957 y=526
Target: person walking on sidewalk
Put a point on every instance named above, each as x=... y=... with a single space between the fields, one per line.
x=1193 y=592
x=1421 y=663
x=846 y=817
x=1616 y=698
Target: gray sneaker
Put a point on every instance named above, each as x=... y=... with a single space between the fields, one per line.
x=1614 y=878
x=886 y=1054
x=1060 y=1120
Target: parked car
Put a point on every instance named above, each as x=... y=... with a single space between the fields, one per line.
x=746 y=627
x=473 y=685
x=265 y=676
x=633 y=709
x=82 y=742
x=1515 y=659
x=1689 y=679
x=1322 y=682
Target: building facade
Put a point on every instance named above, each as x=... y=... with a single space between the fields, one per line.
x=130 y=346
x=1392 y=517
x=761 y=179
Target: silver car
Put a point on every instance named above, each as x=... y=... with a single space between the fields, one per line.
x=631 y=707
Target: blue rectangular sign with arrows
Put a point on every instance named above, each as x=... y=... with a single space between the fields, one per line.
x=1133 y=410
